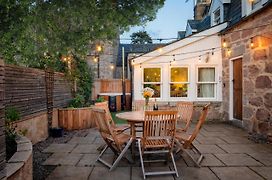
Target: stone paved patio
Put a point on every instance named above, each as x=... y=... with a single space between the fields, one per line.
x=228 y=155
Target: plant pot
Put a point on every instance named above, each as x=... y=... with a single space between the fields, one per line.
x=56 y=132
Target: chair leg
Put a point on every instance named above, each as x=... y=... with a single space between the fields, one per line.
x=141 y=157
x=174 y=164
x=198 y=161
x=121 y=154
x=201 y=157
x=101 y=154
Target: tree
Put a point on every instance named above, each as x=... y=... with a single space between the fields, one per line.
x=37 y=33
x=140 y=37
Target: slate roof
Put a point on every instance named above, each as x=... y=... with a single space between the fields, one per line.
x=193 y=23
x=181 y=34
x=135 y=48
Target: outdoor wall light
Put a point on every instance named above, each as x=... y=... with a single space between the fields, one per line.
x=228 y=52
x=95 y=59
x=98 y=48
x=251 y=43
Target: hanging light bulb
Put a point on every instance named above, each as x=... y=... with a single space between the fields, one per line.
x=132 y=62
x=95 y=59
x=229 y=52
x=224 y=43
x=199 y=59
x=112 y=67
x=140 y=66
x=160 y=50
x=251 y=43
x=212 y=51
x=98 y=48
x=174 y=59
x=170 y=64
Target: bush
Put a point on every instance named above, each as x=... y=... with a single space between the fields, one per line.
x=77 y=102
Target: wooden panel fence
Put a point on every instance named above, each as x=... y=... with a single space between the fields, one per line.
x=110 y=86
x=2 y=112
x=32 y=90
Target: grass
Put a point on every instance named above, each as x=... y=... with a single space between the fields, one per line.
x=116 y=119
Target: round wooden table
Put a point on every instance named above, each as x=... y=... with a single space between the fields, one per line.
x=133 y=118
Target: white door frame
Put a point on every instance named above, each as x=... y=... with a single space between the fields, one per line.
x=231 y=118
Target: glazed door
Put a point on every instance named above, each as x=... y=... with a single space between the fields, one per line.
x=237 y=89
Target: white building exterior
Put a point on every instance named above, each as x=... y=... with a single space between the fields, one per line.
x=198 y=57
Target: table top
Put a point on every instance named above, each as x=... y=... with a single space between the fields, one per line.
x=132 y=116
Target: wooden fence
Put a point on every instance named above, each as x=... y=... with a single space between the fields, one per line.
x=110 y=86
x=32 y=90
x=2 y=113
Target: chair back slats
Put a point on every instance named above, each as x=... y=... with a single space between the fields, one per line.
x=199 y=124
x=185 y=112
x=138 y=105
x=106 y=108
x=159 y=125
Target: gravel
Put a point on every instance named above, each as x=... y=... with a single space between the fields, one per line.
x=40 y=172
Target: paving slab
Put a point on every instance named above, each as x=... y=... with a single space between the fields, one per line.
x=241 y=173
x=237 y=160
x=189 y=173
x=236 y=140
x=211 y=160
x=103 y=173
x=137 y=174
x=82 y=140
x=70 y=173
x=60 y=148
x=99 y=140
x=87 y=160
x=85 y=149
x=63 y=159
x=211 y=140
x=265 y=158
x=265 y=172
x=246 y=148
x=204 y=148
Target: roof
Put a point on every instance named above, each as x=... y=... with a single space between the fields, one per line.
x=181 y=34
x=135 y=48
x=193 y=23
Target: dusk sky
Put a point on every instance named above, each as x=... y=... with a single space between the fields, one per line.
x=171 y=18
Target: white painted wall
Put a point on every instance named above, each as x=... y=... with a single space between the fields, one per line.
x=196 y=45
x=214 y=6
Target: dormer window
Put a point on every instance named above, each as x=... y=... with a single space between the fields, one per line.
x=216 y=16
x=256 y=4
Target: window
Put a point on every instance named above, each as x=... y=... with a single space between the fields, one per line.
x=216 y=16
x=206 y=82
x=179 y=82
x=152 y=79
x=256 y=4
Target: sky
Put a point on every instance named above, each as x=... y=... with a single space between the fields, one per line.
x=171 y=18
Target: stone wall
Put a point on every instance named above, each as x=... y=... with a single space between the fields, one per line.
x=107 y=58
x=2 y=135
x=257 y=70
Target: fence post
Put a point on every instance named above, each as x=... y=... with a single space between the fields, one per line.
x=2 y=122
x=49 y=83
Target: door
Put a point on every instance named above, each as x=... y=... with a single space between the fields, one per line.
x=237 y=89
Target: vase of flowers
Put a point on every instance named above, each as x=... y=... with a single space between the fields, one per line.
x=147 y=93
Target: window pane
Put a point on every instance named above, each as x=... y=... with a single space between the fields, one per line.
x=179 y=74
x=178 y=90
x=205 y=90
x=156 y=88
x=152 y=75
x=206 y=74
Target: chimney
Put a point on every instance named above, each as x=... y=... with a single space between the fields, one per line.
x=201 y=8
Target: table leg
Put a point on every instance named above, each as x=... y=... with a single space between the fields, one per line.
x=133 y=134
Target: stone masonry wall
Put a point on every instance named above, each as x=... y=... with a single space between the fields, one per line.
x=2 y=134
x=107 y=58
x=257 y=70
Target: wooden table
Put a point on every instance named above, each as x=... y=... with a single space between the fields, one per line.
x=133 y=118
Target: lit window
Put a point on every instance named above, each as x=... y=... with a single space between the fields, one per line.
x=216 y=16
x=206 y=82
x=152 y=79
x=256 y=4
x=179 y=82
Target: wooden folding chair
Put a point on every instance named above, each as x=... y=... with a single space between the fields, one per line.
x=119 y=128
x=185 y=140
x=139 y=105
x=158 y=137
x=116 y=141
x=185 y=114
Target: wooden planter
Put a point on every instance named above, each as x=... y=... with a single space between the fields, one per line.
x=76 y=118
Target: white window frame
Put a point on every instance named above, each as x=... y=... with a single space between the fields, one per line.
x=248 y=9
x=217 y=20
x=215 y=83
x=170 y=82
x=143 y=83
x=256 y=5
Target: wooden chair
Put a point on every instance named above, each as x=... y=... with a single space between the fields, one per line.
x=119 y=128
x=185 y=140
x=158 y=137
x=185 y=113
x=116 y=141
x=138 y=105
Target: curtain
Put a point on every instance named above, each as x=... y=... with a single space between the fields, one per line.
x=206 y=75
